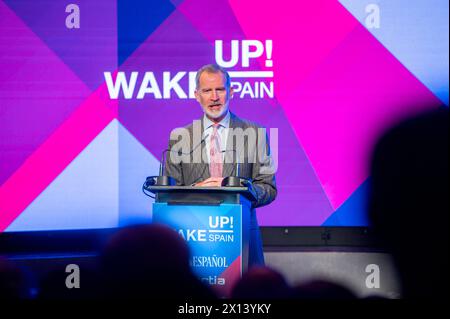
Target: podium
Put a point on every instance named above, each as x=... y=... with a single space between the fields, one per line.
x=215 y=222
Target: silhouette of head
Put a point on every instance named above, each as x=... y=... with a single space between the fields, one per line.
x=409 y=203
x=149 y=261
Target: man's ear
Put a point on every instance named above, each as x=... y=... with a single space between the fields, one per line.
x=197 y=97
x=231 y=92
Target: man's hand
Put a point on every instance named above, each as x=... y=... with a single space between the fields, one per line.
x=210 y=182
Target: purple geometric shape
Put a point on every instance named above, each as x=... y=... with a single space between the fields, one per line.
x=37 y=92
x=176 y=3
x=227 y=28
x=164 y=50
x=88 y=50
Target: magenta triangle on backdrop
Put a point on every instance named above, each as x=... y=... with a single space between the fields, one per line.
x=350 y=100
x=337 y=85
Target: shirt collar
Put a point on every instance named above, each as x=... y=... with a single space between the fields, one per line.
x=207 y=123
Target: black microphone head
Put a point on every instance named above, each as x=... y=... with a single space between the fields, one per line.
x=150 y=181
x=162 y=163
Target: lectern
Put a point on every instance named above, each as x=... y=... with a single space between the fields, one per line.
x=215 y=222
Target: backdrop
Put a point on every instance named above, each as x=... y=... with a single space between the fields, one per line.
x=90 y=90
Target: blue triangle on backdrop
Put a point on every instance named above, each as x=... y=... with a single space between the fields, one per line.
x=354 y=210
x=137 y=20
x=84 y=195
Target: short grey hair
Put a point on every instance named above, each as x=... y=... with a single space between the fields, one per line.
x=212 y=68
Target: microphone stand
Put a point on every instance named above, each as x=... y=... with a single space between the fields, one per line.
x=162 y=179
x=236 y=180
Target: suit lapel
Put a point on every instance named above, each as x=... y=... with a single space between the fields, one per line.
x=230 y=156
x=204 y=166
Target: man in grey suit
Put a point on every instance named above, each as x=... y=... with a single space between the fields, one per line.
x=213 y=145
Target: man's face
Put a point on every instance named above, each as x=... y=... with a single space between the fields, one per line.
x=213 y=95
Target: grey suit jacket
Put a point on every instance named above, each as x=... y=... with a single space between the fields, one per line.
x=186 y=160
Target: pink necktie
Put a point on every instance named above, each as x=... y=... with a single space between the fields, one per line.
x=215 y=155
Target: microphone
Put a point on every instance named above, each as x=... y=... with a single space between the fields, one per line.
x=192 y=151
x=163 y=160
x=236 y=180
x=162 y=179
x=237 y=167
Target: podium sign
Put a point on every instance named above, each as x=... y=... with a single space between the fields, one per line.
x=217 y=236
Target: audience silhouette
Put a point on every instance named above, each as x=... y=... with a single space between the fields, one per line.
x=149 y=261
x=261 y=283
x=409 y=202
